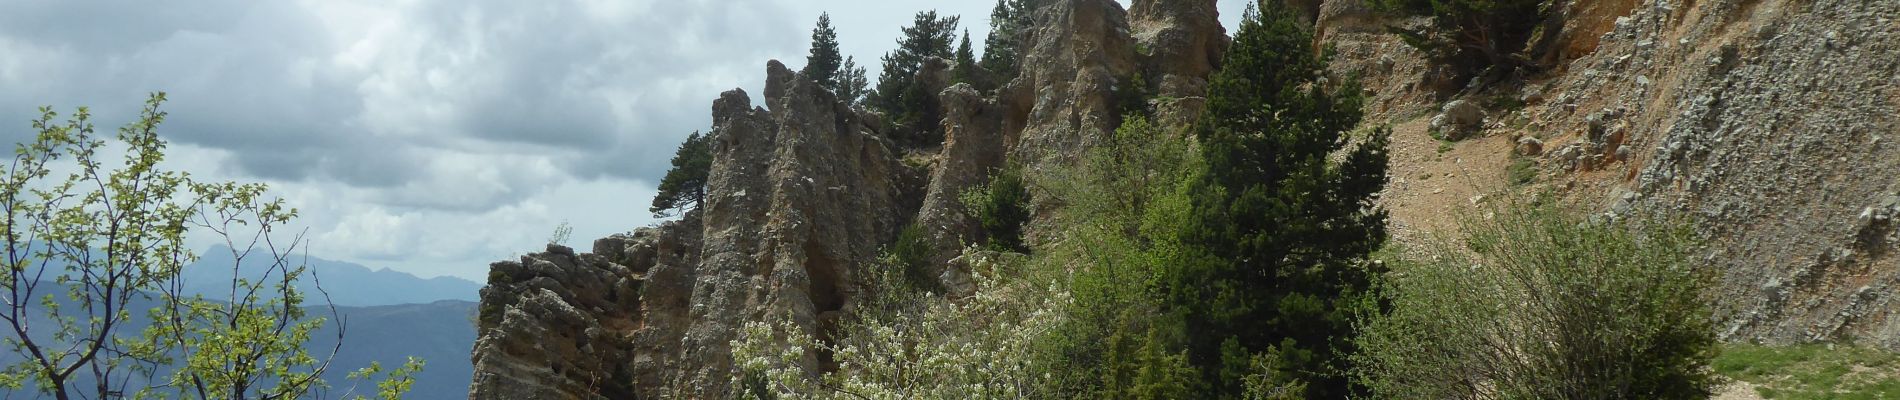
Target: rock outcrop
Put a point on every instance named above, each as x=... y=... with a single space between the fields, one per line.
x=803 y=196
x=800 y=198
x=562 y=325
x=973 y=150
x=1761 y=120
x=1080 y=51
x=547 y=332
x=1084 y=55
x=1766 y=121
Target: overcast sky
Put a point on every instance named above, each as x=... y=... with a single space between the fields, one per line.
x=429 y=136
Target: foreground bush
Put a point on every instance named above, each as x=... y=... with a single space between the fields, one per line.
x=1540 y=303
x=905 y=344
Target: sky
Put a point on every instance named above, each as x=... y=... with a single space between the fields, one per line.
x=429 y=136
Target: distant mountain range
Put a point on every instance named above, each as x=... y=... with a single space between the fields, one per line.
x=348 y=284
x=390 y=315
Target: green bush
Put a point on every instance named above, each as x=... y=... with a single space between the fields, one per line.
x=1001 y=208
x=1121 y=207
x=1540 y=303
x=913 y=347
x=910 y=255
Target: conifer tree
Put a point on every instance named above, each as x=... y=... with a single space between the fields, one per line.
x=1282 y=219
x=685 y=185
x=1473 y=36
x=899 y=94
x=1009 y=25
x=852 y=85
x=965 y=63
x=823 y=65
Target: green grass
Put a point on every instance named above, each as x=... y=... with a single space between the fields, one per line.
x=1444 y=145
x=1505 y=103
x=1813 y=371
x=1522 y=171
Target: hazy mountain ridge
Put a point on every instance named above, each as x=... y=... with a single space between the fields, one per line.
x=390 y=315
x=438 y=332
x=348 y=284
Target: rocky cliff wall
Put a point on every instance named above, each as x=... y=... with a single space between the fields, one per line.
x=1769 y=123
x=802 y=197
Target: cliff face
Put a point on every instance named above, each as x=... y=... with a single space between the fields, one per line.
x=562 y=325
x=801 y=197
x=1766 y=120
x=1772 y=124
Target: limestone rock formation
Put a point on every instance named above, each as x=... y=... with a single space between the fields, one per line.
x=803 y=196
x=799 y=199
x=1765 y=120
x=555 y=325
x=1080 y=51
x=1184 y=40
x=973 y=150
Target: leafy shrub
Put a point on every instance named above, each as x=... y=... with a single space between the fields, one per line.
x=1121 y=210
x=910 y=254
x=1541 y=303
x=913 y=347
x=1001 y=208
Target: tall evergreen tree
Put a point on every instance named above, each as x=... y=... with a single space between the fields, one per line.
x=1282 y=220
x=902 y=97
x=852 y=85
x=685 y=185
x=823 y=65
x=965 y=63
x=1009 y=23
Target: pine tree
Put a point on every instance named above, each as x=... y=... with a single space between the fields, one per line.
x=822 y=65
x=685 y=185
x=1009 y=23
x=965 y=63
x=852 y=85
x=1282 y=221
x=1475 y=36
x=899 y=94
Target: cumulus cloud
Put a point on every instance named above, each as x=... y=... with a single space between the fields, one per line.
x=428 y=135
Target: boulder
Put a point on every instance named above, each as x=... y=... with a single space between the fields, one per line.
x=1529 y=146
x=1459 y=119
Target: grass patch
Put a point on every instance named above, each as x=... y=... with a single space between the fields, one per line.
x=1444 y=144
x=1522 y=171
x=1813 y=371
x=1505 y=102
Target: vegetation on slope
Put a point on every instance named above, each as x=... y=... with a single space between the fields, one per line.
x=1536 y=302
x=1812 y=371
